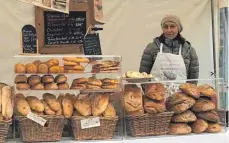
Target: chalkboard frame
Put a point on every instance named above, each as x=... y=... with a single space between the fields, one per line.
x=59 y=49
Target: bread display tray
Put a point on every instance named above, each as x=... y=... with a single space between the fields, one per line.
x=31 y=131
x=148 y=124
x=104 y=131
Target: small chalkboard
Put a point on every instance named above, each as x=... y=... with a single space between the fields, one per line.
x=92 y=44
x=29 y=39
x=62 y=29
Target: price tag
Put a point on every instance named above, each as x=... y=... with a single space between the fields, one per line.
x=90 y=123
x=36 y=118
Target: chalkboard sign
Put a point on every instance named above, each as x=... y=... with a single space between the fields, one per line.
x=29 y=39
x=61 y=28
x=92 y=44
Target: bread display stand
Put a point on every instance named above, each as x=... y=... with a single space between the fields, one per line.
x=190 y=108
x=76 y=96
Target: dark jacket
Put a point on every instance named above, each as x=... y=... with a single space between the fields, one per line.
x=188 y=53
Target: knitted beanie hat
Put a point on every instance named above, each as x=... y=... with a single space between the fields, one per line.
x=174 y=19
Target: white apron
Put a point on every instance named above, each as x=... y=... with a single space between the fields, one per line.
x=169 y=66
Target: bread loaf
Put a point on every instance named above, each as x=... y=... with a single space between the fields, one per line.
x=199 y=126
x=185 y=117
x=133 y=102
x=110 y=111
x=206 y=90
x=67 y=107
x=23 y=107
x=213 y=128
x=6 y=97
x=34 y=79
x=47 y=110
x=1 y=86
x=211 y=116
x=60 y=78
x=203 y=105
x=155 y=91
x=52 y=101
x=99 y=104
x=151 y=106
x=20 y=79
x=9 y=109
x=35 y=104
x=83 y=106
x=179 y=129
x=190 y=89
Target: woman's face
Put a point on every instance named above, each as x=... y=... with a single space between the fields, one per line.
x=170 y=30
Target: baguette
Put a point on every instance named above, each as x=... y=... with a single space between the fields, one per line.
x=6 y=96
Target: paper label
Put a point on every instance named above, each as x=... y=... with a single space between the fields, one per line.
x=90 y=123
x=36 y=118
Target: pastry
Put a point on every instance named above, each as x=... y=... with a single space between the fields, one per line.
x=51 y=86
x=19 y=68
x=60 y=78
x=83 y=106
x=151 y=106
x=78 y=68
x=35 y=103
x=106 y=64
x=37 y=62
x=23 y=107
x=211 y=116
x=67 y=107
x=90 y=86
x=80 y=80
x=69 y=63
x=22 y=86
x=133 y=100
x=56 y=69
x=39 y=86
x=109 y=81
x=73 y=71
x=47 y=79
x=20 y=79
x=203 y=105
x=206 y=90
x=52 y=101
x=76 y=59
x=199 y=126
x=47 y=109
x=179 y=129
x=95 y=82
x=78 y=86
x=31 y=68
x=99 y=104
x=190 y=89
x=213 y=128
x=155 y=91
x=185 y=117
x=34 y=79
x=52 y=62
x=109 y=86
x=43 y=68
x=110 y=111
x=63 y=86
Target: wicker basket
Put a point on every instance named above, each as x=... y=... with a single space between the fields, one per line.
x=104 y=131
x=33 y=132
x=4 y=128
x=148 y=124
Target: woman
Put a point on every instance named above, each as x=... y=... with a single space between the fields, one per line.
x=170 y=56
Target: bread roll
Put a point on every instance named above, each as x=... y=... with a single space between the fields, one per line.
x=94 y=82
x=37 y=62
x=78 y=86
x=67 y=107
x=110 y=111
x=76 y=59
x=35 y=104
x=52 y=62
x=69 y=63
x=56 y=69
x=63 y=86
x=155 y=91
x=47 y=79
x=80 y=80
x=83 y=106
x=151 y=106
x=133 y=100
x=185 y=117
x=34 y=79
x=52 y=101
x=22 y=86
x=99 y=104
x=31 y=68
x=90 y=86
x=109 y=81
x=203 y=105
x=20 y=79
x=19 y=68
x=213 y=128
x=51 y=86
x=47 y=110
x=23 y=107
x=79 y=67
x=179 y=129
x=190 y=89
x=39 y=86
x=206 y=90
x=211 y=116
x=6 y=97
x=199 y=126
x=43 y=68
x=60 y=78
